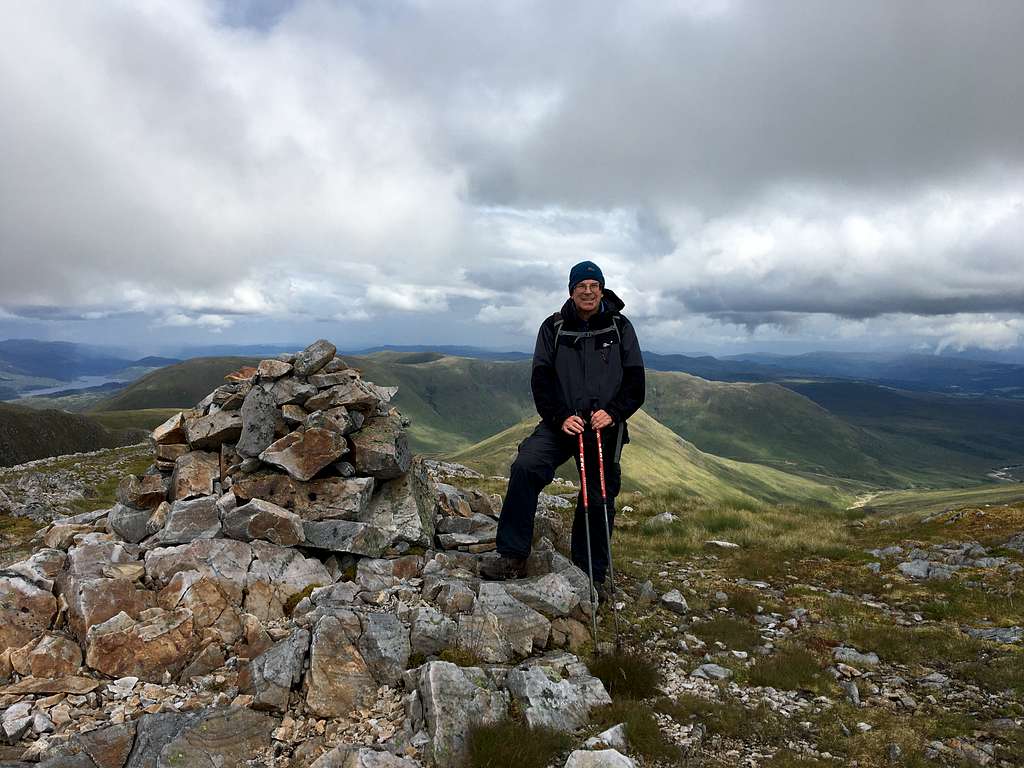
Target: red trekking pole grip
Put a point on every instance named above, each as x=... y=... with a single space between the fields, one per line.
x=600 y=464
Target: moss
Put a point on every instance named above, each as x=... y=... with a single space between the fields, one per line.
x=294 y=600
x=462 y=657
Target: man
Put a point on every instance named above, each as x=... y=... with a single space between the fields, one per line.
x=588 y=374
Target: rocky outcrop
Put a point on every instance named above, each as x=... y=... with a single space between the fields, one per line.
x=284 y=569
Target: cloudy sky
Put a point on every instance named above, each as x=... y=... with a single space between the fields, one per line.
x=750 y=175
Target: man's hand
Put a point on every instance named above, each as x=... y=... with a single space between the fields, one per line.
x=600 y=420
x=573 y=425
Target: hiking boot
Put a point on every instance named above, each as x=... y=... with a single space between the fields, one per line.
x=604 y=592
x=502 y=568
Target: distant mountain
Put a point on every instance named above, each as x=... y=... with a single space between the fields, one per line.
x=58 y=360
x=64 y=361
x=26 y=434
x=455 y=402
x=658 y=460
x=930 y=373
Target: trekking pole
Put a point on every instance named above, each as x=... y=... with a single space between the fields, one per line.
x=590 y=561
x=608 y=538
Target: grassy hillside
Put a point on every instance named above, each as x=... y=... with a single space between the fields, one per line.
x=176 y=386
x=659 y=461
x=27 y=434
x=948 y=439
x=890 y=503
x=453 y=401
x=764 y=423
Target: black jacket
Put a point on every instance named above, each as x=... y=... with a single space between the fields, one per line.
x=596 y=365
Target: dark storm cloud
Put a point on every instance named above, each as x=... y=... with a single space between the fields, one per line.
x=212 y=163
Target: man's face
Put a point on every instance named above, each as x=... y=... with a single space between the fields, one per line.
x=586 y=295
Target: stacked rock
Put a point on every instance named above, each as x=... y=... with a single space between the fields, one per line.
x=286 y=546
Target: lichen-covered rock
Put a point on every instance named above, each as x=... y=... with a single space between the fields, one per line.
x=26 y=611
x=190 y=520
x=220 y=737
x=453 y=700
x=403 y=507
x=194 y=474
x=259 y=419
x=549 y=700
x=207 y=602
x=352 y=394
x=109 y=746
x=329 y=498
x=260 y=519
x=346 y=536
x=381 y=449
x=384 y=646
x=270 y=676
x=52 y=655
x=314 y=357
x=303 y=454
x=551 y=594
x=346 y=756
x=92 y=601
x=159 y=641
x=601 y=758
x=171 y=431
x=225 y=561
x=206 y=433
x=430 y=631
x=276 y=575
x=339 y=678
x=145 y=492
x=129 y=523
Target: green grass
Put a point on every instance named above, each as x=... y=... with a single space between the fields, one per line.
x=1002 y=673
x=791 y=668
x=736 y=634
x=929 y=645
x=768 y=535
x=725 y=717
x=512 y=743
x=104 y=494
x=924 y=501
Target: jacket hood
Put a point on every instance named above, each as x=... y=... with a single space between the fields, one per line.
x=612 y=304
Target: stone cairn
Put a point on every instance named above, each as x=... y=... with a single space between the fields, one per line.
x=282 y=587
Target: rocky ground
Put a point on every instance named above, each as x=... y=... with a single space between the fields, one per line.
x=286 y=586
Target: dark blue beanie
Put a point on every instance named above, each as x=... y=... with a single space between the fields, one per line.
x=585 y=270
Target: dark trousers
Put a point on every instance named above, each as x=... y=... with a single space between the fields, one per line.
x=539 y=456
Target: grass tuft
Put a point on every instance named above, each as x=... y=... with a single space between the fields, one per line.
x=511 y=743
x=791 y=668
x=627 y=675
x=642 y=730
